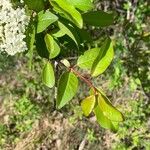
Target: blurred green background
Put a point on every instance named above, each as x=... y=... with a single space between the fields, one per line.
x=29 y=120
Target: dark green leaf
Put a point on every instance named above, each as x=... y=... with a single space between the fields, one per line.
x=84 y=36
x=98 y=18
x=41 y=46
x=36 y=5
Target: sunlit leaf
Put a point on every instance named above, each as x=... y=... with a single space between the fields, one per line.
x=88 y=104
x=45 y=18
x=86 y=60
x=52 y=46
x=83 y=5
x=104 y=121
x=108 y=109
x=103 y=59
x=68 y=11
x=48 y=76
x=67 y=88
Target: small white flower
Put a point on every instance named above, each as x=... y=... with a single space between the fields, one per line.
x=13 y=24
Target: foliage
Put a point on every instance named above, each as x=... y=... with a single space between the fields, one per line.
x=58 y=25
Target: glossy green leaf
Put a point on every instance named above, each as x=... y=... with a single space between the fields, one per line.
x=88 y=104
x=45 y=18
x=59 y=33
x=83 y=5
x=104 y=121
x=103 y=59
x=108 y=109
x=98 y=18
x=36 y=5
x=86 y=60
x=97 y=59
x=68 y=30
x=67 y=88
x=48 y=76
x=52 y=46
x=68 y=11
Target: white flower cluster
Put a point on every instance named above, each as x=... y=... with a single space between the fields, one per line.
x=13 y=23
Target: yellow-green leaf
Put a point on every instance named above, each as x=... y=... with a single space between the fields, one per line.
x=52 y=46
x=104 y=121
x=48 y=76
x=88 y=104
x=83 y=5
x=86 y=60
x=108 y=109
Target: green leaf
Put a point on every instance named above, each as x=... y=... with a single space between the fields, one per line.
x=97 y=59
x=86 y=60
x=67 y=88
x=36 y=5
x=84 y=36
x=48 y=76
x=68 y=11
x=68 y=30
x=104 y=121
x=83 y=5
x=98 y=18
x=41 y=46
x=52 y=46
x=58 y=33
x=109 y=110
x=103 y=59
x=88 y=104
x=45 y=18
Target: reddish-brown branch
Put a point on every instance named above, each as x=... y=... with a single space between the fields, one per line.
x=88 y=82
